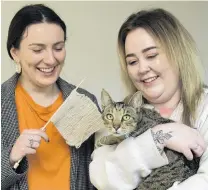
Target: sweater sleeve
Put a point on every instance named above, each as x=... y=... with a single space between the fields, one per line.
x=121 y=166
x=9 y=176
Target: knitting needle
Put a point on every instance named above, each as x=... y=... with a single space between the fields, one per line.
x=44 y=127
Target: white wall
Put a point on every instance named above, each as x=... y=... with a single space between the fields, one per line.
x=92 y=34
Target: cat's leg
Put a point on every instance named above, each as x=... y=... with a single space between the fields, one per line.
x=100 y=142
x=150 y=107
x=108 y=140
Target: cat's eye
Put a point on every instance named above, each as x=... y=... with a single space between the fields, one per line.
x=126 y=117
x=109 y=116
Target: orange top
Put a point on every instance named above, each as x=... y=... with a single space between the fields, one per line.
x=49 y=168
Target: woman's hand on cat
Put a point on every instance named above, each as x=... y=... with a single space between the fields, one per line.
x=27 y=143
x=179 y=137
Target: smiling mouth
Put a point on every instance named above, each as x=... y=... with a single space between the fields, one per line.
x=150 y=79
x=47 y=70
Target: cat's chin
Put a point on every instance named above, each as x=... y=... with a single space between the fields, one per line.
x=118 y=135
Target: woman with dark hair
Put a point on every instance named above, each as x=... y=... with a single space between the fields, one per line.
x=36 y=43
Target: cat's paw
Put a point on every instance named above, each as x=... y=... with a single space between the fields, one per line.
x=148 y=106
x=144 y=171
x=107 y=140
x=100 y=142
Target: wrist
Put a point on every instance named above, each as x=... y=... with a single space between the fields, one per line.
x=160 y=145
x=14 y=164
x=162 y=134
x=11 y=161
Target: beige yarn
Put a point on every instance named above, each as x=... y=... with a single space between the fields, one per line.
x=77 y=119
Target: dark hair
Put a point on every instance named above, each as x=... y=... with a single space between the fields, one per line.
x=30 y=14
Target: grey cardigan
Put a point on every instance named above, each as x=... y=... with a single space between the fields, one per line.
x=17 y=180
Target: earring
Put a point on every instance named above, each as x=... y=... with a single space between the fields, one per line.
x=18 y=67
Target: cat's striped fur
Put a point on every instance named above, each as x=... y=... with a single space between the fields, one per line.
x=139 y=119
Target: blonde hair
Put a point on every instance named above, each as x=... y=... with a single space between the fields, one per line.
x=179 y=47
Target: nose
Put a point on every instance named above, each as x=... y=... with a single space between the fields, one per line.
x=143 y=67
x=116 y=127
x=49 y=57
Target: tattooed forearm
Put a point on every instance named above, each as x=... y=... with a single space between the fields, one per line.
x=159 y=137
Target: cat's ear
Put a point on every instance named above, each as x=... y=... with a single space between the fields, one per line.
x=134 y=100
x=105 y=99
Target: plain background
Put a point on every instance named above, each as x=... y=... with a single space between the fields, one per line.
x=92 y=29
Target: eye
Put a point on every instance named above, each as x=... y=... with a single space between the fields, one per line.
x=37 y=50
x=131 y=62
x=109 y=116
x=126 y=117
x=152 y=56
x=59 y=49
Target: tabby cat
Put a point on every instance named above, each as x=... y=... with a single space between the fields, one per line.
x=131 y=118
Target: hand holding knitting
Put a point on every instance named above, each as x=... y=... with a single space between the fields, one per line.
x=27 y=143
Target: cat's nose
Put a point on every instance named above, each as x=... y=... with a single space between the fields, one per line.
x=116 y=127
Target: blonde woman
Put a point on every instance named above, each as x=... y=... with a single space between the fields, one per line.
x=159 y=58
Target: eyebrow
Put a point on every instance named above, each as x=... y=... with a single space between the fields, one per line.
x=42 y=45
x=143 y=51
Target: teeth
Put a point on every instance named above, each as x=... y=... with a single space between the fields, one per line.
x=150 y=79
x=47 y=70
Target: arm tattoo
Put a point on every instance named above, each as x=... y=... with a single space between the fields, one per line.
x=159 y=137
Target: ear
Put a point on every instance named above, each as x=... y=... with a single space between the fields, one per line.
x=15 y=54
x=134 y=100
x=105 y=99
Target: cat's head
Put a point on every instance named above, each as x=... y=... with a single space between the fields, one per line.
x=121 y=118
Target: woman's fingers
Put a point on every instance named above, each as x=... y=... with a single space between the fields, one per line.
x=27 y=143
x=201 y=142
x=199 y=146
x=30 y=150
x=33 y=144
x=187 y=153
x=36 y=132
x=36 y=138
x=197 y=149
